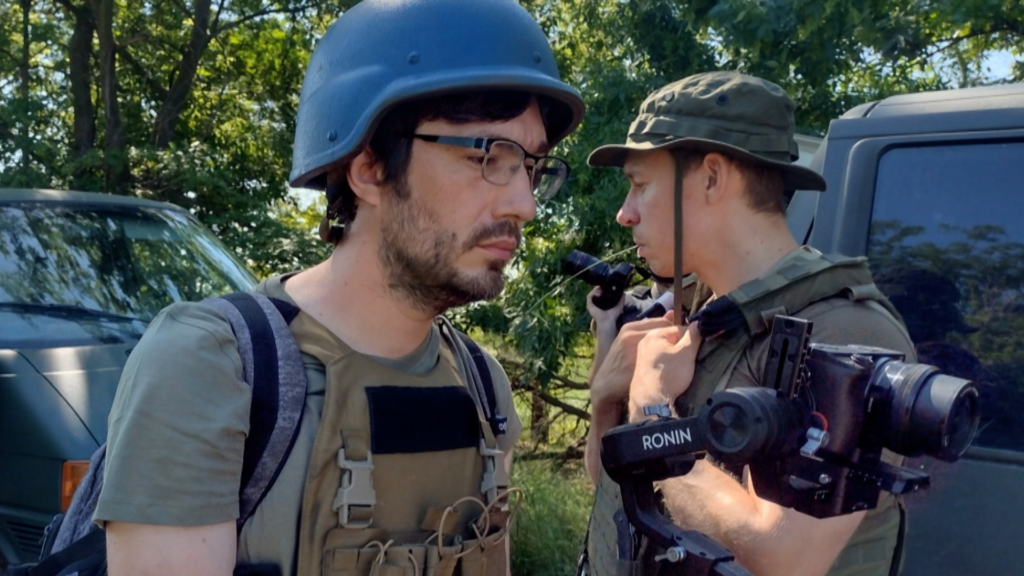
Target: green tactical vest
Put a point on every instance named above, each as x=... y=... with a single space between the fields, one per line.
x=612 y=549
x=389 y=492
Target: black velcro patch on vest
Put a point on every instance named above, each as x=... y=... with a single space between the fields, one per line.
x=406 y=420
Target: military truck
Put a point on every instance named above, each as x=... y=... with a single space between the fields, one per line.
x=930 y=187
x=81 y=275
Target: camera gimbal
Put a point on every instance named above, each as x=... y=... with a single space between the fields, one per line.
x=812 y=436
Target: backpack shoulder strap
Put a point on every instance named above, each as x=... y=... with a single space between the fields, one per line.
x=272 y=367
x=471 y=362
x=89 y=551
x=73 y=543
x=498 y=423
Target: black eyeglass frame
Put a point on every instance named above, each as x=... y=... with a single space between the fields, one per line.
x=484 y=145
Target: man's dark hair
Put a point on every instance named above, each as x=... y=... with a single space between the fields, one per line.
x=765 y=191
x=392 y=147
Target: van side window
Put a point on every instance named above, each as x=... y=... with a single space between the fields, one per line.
x=947 y=247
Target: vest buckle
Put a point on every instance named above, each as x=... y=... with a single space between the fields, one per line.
x=356 y=498
x=489 y=480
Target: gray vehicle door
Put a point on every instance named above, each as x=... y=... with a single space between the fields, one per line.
x=941 y=215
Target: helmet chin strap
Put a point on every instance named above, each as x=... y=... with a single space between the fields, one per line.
x=677 y=281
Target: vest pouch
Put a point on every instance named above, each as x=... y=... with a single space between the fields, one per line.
x=498 y=523
x=475 y=557
x=441 y=561
x=346 y=552
x=349 y=561
x=401 y=560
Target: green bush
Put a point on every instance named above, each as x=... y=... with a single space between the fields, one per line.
x=550 y=526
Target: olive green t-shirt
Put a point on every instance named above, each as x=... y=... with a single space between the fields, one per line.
x=179 y=420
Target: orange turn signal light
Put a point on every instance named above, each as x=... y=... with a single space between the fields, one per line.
x=71 y=475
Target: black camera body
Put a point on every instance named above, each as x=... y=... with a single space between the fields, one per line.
x=813 y=433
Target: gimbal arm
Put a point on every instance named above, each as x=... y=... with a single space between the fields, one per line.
x=636 y=456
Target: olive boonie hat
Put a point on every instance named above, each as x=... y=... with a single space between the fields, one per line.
x=727 y=112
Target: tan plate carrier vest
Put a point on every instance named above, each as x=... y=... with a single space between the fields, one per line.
x=394 y=514
x=811 y=278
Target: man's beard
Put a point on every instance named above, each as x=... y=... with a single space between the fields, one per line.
x=418 y=256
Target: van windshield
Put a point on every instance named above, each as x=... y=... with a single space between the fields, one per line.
x=102 y=263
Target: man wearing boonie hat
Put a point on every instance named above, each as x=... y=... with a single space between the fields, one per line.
x=723 y=142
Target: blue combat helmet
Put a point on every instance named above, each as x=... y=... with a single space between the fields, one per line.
x=384 y=52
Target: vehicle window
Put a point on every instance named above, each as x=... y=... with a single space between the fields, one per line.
x=126 y=261
x=947 y=248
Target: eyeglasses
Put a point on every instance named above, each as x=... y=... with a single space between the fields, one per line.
x=502 y=160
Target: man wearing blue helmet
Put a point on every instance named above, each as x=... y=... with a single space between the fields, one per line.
x=427 y=123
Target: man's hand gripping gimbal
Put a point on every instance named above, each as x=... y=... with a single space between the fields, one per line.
x=812 y=435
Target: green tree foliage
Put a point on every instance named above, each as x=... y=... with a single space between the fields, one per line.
x=194 y=101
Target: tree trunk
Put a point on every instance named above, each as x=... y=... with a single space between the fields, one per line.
x=539 y=427
x=170 y=112
x=80 y=62
x=116 y=172
x=23 y=89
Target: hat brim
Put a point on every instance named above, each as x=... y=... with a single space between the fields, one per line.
x=794 y=177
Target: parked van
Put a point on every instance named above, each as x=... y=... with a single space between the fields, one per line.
x=81 y=275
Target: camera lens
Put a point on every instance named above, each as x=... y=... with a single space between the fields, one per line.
x=932 y=413
x=962 y=424
x=586 y=268
x=745 y=423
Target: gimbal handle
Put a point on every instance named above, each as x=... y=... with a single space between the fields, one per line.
x=689 y=553
x=636 y=456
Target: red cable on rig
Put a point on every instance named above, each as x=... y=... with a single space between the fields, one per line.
x=824 y=421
